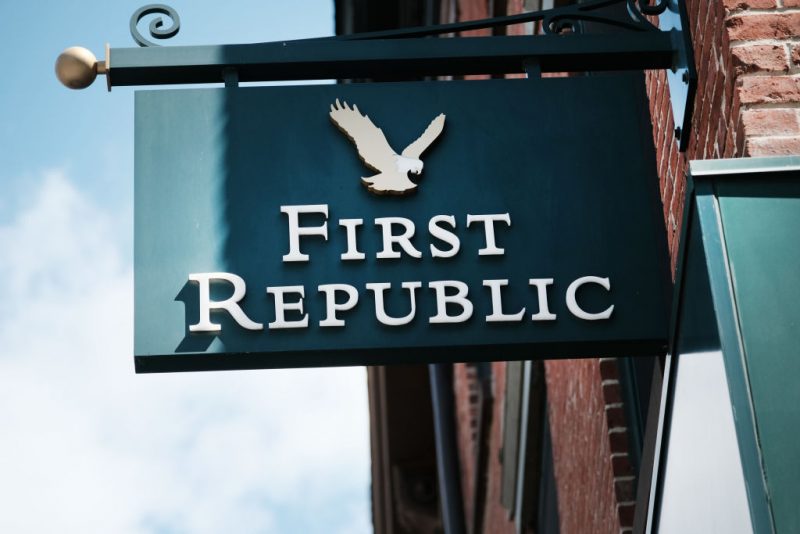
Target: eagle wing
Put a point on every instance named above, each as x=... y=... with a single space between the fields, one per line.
x=373 y=148
x=415 y=149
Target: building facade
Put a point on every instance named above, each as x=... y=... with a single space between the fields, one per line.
x=569 y=445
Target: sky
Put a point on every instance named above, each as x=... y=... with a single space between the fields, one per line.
x=86 y=445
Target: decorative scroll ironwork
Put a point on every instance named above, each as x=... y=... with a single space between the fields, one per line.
x=624 y=14
x=604 y=12
x=649 y=7
x=566 y=19
x=624 y=35
x=640 y=9
x=156 y=28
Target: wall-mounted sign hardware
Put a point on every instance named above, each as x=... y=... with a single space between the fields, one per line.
x=596 y=35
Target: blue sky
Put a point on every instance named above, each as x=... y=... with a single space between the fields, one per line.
x=88 y=446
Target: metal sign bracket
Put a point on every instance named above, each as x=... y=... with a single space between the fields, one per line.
x=597 y=35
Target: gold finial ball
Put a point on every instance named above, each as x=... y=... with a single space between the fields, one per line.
x=76 y=67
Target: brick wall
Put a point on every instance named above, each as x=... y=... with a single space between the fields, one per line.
x=467 y=398
x=593 y=473
x=495 y=516
x=747 y=54
x=765 y=41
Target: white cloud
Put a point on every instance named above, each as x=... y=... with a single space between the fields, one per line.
x=88 y=446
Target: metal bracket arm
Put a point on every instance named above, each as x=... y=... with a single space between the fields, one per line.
x=574 y=38
x=388 y=58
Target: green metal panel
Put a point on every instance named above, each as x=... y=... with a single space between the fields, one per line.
x=702 y=324
x=750 y=217
x=714 y=260
x=761 y=222
x=571 y=160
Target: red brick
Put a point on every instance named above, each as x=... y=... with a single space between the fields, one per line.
x=770 y=89
x=763 y=26
x=625 y=489
x=730 y=145
x=612 y=393
x=496 y=516
x=666 y=197
x=626 y=513
x=471 y=10
x=615 y=417
x=464 y=385
x=581 y=448
x=673 y=161
x=762 y=122
x=622 y=465
x=796 y=55
x=609 y=369
x=721 y=131
x=773 y=146
x=736 y=105
x=759 y=58
x=734 y=5
x=618 y=441
x=791 y=3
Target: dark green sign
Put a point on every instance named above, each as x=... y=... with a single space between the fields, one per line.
x=388 y=223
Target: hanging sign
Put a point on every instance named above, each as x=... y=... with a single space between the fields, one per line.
x=393 y=223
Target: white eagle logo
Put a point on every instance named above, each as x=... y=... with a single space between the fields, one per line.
x=376 y=153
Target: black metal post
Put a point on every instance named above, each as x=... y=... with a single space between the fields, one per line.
x=441 y=376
